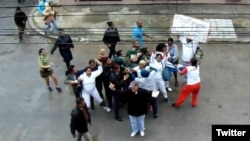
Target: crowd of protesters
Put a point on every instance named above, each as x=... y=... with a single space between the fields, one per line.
x=121 y=78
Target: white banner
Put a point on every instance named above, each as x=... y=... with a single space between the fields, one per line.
x=191 y=28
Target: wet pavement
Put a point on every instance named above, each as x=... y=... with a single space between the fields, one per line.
x=28 y=112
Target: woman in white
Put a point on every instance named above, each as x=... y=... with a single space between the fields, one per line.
x=193 y=84
x=161 y=48
x=158 y=62
x=89 y=88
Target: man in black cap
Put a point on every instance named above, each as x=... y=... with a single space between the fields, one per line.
x=110 y=38
x=65 y=44
x=20 y=19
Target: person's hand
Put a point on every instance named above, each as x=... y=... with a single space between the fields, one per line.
x=73 y=135
x=73 y=82
x=112 y=86
x=98 y=62
x=126 y=76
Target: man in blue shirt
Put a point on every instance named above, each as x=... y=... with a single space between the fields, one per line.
x=138 y=33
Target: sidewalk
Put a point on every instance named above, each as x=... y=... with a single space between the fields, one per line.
x=89 y=2
x=88 y=23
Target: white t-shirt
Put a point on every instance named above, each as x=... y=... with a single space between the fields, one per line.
x=188 y=49
x=193 y=75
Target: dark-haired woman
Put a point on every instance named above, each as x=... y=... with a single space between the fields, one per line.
x=45 y=69
x=173 y=57
x=71 y=79
x=88 y=80
x=158 y=62
x=193 y=84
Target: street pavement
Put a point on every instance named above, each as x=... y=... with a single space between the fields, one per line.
x=228 y=22
x=28 y=112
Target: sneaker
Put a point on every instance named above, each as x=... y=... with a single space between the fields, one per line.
x=174 y=105
x=132 y=134
x=169 y=89
x=167 y=100
x=50 y=89
x=176 y=84
x=106 y=108
x=119 y=119
x=59 y=89
x=155 y=116
x=142 y=133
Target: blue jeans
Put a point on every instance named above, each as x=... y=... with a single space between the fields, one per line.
x=48 y=26
x=137 y=123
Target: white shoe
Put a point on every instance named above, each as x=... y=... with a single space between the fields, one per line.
x=132 y=134
x=169 y=89
x=107 y=109
x=142 y=133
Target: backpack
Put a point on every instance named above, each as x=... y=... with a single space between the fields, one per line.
x=199 y=54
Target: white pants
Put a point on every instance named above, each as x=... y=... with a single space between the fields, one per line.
x=160 y=84
x=94 y=93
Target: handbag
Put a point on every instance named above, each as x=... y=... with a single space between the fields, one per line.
x=166 y=74
x=198 y=55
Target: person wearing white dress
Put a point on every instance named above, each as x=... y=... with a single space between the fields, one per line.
x=89 y=87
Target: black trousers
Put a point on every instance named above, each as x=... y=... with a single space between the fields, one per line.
x=153 y=103
x=108 y=93
x=117 y=101
x=112 y=50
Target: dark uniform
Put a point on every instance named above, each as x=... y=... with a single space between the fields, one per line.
x=110 y=38
x=64 y=43
x=20 y=21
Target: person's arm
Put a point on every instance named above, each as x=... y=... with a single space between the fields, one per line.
x=183 y=72
x=69 y=80
x=152 y=57
x=43 y=66
x=176 y=55
x=134 y=33
x=119 y=83
x=105 y=38
x=182 y=39
x=55 y=46
x=25 y=18
x=146 y=35
x=71 y=42
x=118 y=36
x=98 y=71
x=112 y=88
x=15 y=18
x=73 y=125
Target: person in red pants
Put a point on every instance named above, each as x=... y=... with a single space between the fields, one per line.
x=192 y=86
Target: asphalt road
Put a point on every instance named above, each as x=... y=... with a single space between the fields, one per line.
x=28 y=112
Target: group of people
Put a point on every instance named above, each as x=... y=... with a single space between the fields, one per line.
x=128 y=78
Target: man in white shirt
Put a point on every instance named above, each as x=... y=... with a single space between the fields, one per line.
x=188 y=50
